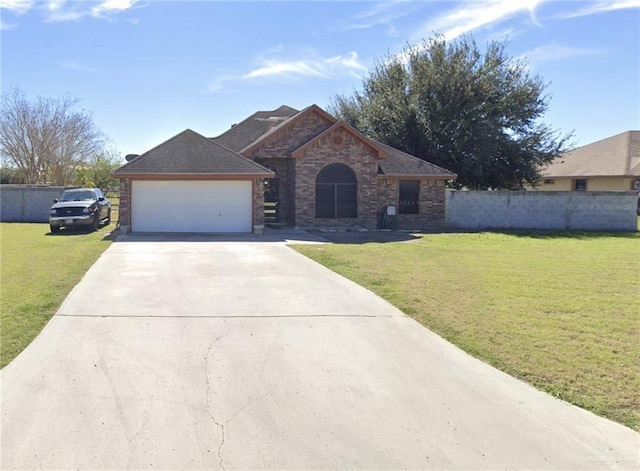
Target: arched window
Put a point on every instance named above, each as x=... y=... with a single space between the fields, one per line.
x=336 y=192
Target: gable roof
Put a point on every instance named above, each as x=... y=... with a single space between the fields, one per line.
x=190 y=153
x=268 y=124
x=274 y=132
x=401 y=164
x=252 y=128
x=616 y=156
x=380 y=152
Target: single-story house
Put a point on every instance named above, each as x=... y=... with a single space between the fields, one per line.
x=297 y=168
x=611 y=164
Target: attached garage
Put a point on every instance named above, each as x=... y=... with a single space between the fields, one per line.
x=191 y=206
x=191 y=184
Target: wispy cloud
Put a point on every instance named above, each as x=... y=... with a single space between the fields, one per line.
x=554 y=52
x=347 y=64
x=60 y=15
x=217 y=83
x=469 y=16
x=58 y=11
x=602 y=7
x=6 y=26
x=16 y=6
x=292 y=69
x=501 y=35
x=78 y=67
x=381 y=14
x=111 y=6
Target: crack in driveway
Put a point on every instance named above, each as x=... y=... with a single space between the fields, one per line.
x=208 y=389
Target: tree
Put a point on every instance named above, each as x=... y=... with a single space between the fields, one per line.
x=98 y=172
x=46 y=139
x=475 y=114
x=9 y=175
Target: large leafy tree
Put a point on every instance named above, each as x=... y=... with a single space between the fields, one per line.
x=46 y=139
x=475 y=113
x=98 y=171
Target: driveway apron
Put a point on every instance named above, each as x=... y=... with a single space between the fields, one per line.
x=214 y=354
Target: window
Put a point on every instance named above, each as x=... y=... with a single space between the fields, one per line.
x=580 y=185
x=336 y=192
x=549 y=181
x=409 y=193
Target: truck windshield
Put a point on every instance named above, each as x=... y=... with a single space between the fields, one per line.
x=78 y=195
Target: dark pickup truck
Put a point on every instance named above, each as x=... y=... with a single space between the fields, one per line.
x=80 y=207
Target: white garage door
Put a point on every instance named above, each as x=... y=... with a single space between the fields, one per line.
x=191 y=206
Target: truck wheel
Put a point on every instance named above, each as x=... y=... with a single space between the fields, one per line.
x=54 y=229
x=108 y=221
x=96 y=222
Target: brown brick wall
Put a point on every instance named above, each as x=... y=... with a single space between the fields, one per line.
x=258 y=202
x=352 y=153
x=124 y=211
x=430 y=205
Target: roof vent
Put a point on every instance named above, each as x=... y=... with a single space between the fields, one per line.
x=130 y=157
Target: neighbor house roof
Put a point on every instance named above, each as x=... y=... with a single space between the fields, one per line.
x=190 y=153
x=616 y=156
x=401 y=164
x=248 y=131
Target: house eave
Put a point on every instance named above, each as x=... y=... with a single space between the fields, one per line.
x=589 y=176
x=193 y=176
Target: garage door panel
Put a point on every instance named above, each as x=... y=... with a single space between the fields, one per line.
x=191 y=206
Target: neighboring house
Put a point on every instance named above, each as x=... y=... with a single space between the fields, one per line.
x=612 y=164
x=297 y=168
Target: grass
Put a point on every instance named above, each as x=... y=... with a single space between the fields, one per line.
x=559 y=311
x=37 y=271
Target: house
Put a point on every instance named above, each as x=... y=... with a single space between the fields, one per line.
x=297 y=168
x=612 y=164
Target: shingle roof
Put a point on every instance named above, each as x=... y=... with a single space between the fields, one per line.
x=191 y=153
x=400 y=164
x=273 y=133
x=258 y=126
x=617 y=156
x=251 y=129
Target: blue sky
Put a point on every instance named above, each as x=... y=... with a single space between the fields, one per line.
x=147 y=70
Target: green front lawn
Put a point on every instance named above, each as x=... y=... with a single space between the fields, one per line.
x=560 y=311
x=37 y=271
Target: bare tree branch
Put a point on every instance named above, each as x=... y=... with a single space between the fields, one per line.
x=46 y=139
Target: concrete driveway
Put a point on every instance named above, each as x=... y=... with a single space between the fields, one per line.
x=212 y=354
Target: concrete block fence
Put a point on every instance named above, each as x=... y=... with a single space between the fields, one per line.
x=552 y=210
x=27 y=203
